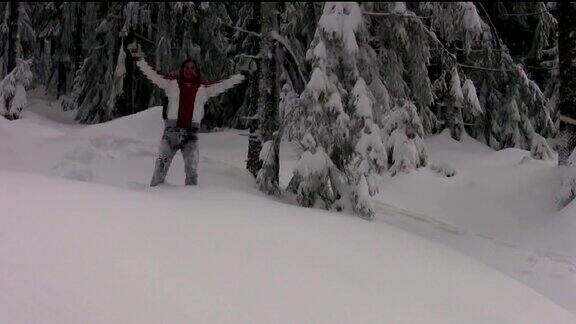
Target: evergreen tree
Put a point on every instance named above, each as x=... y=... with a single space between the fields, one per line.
x=17 y=34
x=94 y=92
x=13 y=90
x=567 y=89
x=341 y=144
x=59 y=44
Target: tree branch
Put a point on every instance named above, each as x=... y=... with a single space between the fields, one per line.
x=527 y=13
x=240 y=29
x=282 y=40
x=394 y=14
x=255 y=57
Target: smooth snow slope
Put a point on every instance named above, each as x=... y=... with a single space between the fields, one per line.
x=121 y=154
x=499 y=208
x=77 y=252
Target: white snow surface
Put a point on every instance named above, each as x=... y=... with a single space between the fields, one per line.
x=109 y=249
x=500 y=208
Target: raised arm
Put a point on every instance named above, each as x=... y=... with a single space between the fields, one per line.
x=138 y=56
x=216 y=88
x=159 y=80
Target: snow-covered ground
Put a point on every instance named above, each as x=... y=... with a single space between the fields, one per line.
x=109 y=249
x=499 y=208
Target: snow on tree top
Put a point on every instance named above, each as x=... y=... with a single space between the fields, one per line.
x=341 y=20
x=318 y=83
x=399 y=7
x=470 y=19
x=320 y=51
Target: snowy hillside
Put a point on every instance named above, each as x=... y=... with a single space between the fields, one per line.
x=499 y=207
x=109 y=249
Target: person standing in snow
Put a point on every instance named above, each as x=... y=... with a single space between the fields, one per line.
x=187 y=94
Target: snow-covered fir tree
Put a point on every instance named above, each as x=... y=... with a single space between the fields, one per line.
x=513 y=108
x=16 y=34
x=60 y=44
x=94 y=91
x=401 y=45
x=13 y=90
x=342 y=148
x=567 y=86
x=461 y=76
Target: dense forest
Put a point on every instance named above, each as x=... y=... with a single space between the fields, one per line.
x=358 y=86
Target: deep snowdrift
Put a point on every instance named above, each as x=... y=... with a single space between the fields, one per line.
x=499 y=207
x=84 y=253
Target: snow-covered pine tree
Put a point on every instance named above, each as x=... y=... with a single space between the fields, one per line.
x=60 y=46
x=133 y=88
x=477 y=85
x=539 y=29
x=13 y=90
x=529 y=31
x=513 y=109
x=95 y=95
x=17 y=34
x=14 y=45
x=567 y=61
x=404 y=94
x=342 y=147
x=297 y=27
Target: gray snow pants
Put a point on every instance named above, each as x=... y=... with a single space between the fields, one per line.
x=174 y=139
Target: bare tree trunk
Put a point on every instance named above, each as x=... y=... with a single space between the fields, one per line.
x=13 y=35
x=62 y=79
x=78 y=38
x=253 y=163
x=268 y=104
x=567 y=57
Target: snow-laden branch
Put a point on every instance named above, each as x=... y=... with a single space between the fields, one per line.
x=275 y=36
x=240 y=29
x=568 y=120
x=441 y=46
x=527 y=13
x=282 y=40
x=394 y=14
x=140 y=37
x=482 y=50
x=255 y=57
x=485 y=68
